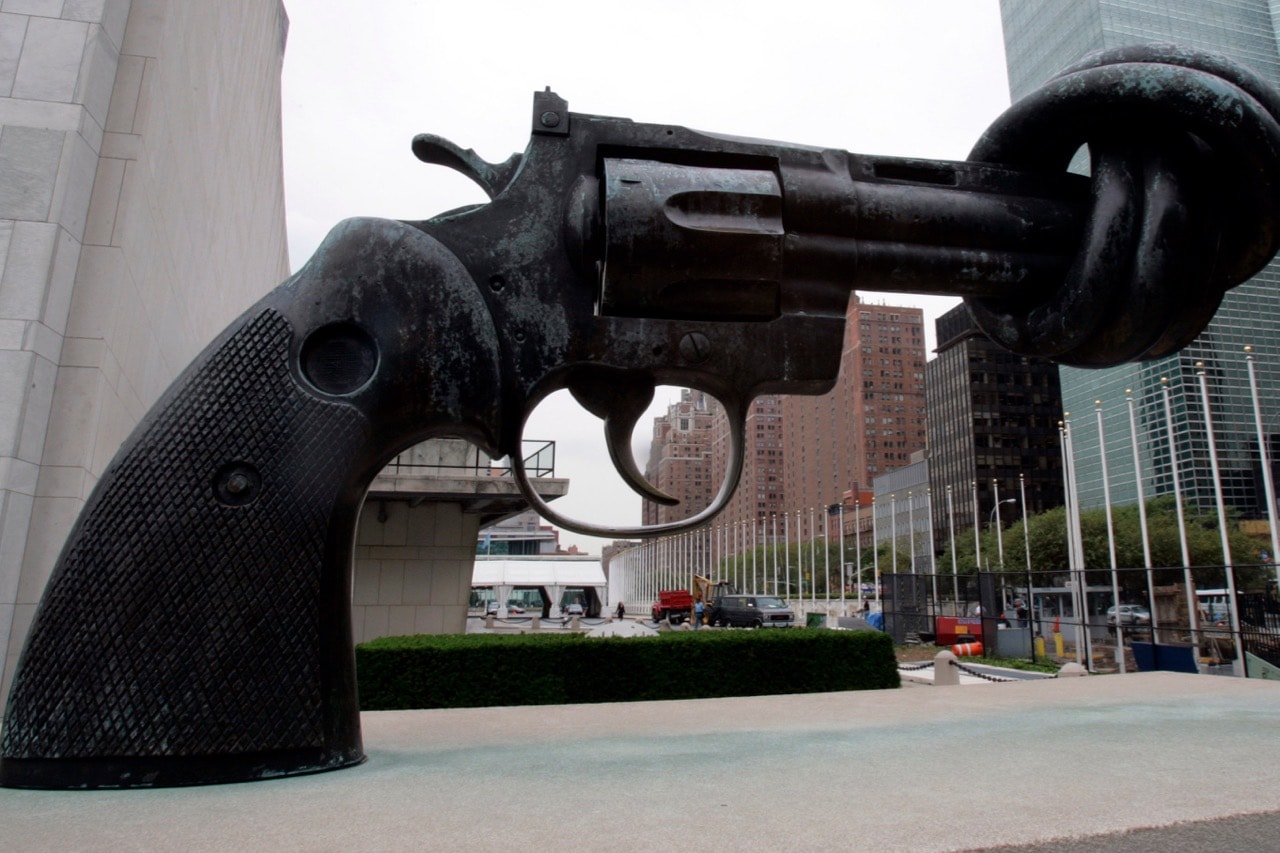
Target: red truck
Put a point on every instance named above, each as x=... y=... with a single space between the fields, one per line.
x=677 y=604
x=673 y=604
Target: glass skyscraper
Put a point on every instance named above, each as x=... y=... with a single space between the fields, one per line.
x=1040 y=39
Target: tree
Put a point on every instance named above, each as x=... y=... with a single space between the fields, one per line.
x=1047 y=537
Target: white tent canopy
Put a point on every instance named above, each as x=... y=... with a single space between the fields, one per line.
x=553 y=574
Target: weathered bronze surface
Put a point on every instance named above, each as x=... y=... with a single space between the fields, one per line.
x=196 y=628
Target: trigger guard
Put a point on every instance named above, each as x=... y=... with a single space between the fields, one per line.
x=727 y=488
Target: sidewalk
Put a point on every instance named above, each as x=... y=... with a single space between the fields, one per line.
x=916 y=769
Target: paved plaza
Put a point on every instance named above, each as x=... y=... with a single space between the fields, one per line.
x=916 y=769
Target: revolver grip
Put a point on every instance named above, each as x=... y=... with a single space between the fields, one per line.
x=196 y=628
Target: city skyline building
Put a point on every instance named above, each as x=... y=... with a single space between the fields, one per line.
x=680 y=458
x=902 y=516
x=760 y=497
x=993 y=421
x=1042 y=38
x=801 y=453
x=870 y=423
x=141 y=210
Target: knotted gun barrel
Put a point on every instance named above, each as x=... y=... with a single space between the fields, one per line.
x=196 y=628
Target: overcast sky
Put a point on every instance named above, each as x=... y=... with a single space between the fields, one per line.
x=892 y=77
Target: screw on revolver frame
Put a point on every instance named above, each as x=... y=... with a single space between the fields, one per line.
x=237 y=484
x=550 y=119
x=694 y=347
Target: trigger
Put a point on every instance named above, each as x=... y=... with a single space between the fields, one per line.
x=493 y=178
x=621 y=403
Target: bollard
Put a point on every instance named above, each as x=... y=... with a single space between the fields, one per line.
x=1040 y=647
x=488 y=620
x=535 y=623
x=945 y=672
x=575 y=624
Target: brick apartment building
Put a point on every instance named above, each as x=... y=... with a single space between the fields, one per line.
x=680 y=458
x=870 y=423
x=804 y=452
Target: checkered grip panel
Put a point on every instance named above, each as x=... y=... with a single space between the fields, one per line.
x=176 y=624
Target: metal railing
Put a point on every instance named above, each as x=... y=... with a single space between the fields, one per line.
x=539 y=461
x=1229 y=623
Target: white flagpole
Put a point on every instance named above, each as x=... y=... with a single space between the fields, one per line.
x=995 y=494
x=911 y=529
x=1026 y=543
x=1142 y=510
x=813 y=558
x=1111 y=539
x=800 y=557
x=826 y=556
x=1080 y=599
x=717 y=552
x=955 y=572
x=1264 y=460
x=858 y=544
x=755 y=584
x=774 y=517
x=893 y=518
x=1193 y=612
x=842 y=563
x=933 y=566
x=786 y=554
x=977 y=529
x=875 y=551
x=1026 y=534
x=1237 y=666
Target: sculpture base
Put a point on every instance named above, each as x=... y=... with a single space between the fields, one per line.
x=168 y=771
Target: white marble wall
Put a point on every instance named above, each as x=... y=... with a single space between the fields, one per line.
x=141 y=210
x=413 y=567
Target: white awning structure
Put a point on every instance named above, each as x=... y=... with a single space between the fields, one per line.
x=555 y=574
x=536 y=571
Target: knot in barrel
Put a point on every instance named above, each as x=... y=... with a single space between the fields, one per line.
x=1184 y=157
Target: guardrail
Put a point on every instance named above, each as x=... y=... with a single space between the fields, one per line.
x=539 y=461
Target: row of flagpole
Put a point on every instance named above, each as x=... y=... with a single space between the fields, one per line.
x=1074 y=538
x=733 y=549
x=745 y=554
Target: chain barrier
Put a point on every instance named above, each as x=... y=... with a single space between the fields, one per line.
x=914 y=668
x=982 y=675
x=968 y=671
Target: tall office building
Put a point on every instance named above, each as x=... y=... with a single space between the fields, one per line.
x=680 y=458
x=870 y=423
x=993 y=419
x=760 y=496
x=1041 y=38
x=805 y=453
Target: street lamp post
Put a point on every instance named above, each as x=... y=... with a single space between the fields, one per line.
x=991 y=521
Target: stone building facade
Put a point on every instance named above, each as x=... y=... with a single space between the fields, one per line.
x=141 y=210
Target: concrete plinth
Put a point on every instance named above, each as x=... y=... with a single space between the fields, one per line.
x=833 y=771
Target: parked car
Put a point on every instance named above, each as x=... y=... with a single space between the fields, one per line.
x=512 y=608
x=1130 y=614
x=574 y=609
x=751 y=611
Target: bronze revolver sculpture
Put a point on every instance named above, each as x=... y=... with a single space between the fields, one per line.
x=196 y=628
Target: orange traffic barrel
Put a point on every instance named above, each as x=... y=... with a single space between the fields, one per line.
x=962 y=650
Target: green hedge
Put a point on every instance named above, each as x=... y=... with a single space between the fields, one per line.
x=475 y=670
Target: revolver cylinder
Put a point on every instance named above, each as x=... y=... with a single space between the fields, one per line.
x=699 y=242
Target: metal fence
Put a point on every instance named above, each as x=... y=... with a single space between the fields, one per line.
x=1207 y=619
x=539 y=461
